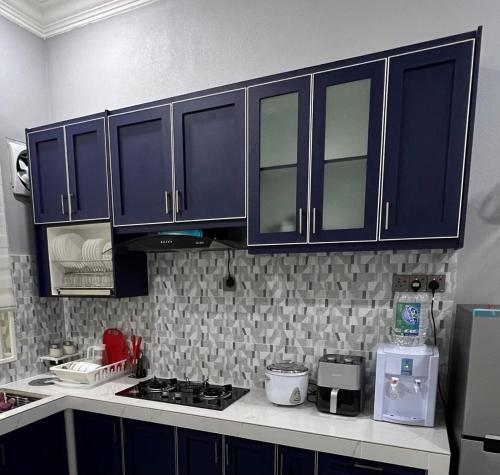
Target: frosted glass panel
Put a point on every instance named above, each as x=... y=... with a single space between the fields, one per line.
x=278 y=130
x=278 y=199
x=347 y=115
x=344 y=194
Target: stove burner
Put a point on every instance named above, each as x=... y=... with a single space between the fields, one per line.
x=211 y=392
x=158 y=386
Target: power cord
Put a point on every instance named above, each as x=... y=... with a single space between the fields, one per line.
x=433 y=286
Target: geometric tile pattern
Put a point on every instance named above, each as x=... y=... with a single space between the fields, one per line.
x=37 y=321
x=286 y=306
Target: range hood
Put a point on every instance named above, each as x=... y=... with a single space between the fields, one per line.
x=190 y=240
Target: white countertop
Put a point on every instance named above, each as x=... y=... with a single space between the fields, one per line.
x=251 y=417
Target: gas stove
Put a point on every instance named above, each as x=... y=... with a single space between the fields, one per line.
x=186 y=393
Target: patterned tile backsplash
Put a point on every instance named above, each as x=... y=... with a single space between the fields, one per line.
x=37 y=321
x=295 y=306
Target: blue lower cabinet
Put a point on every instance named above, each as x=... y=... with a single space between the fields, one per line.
x=338 y=465
x=98 y=444
x=248 y=457
x=149 y=449
x=37 y=448
x=292 y=461
x=199 y=452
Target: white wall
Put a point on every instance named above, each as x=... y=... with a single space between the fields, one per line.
x=177 y=46
x=24 y=102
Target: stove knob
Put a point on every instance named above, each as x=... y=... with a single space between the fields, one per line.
x=347 y=360
x=164 y=394
x=177 y=395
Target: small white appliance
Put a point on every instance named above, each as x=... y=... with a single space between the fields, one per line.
x=406 y=384
x=19 y=168
x=286 y=383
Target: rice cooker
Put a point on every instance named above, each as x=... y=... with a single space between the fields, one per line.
x=286 y=383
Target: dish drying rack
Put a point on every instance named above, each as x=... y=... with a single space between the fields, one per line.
x=91 y=378
x=86 y=274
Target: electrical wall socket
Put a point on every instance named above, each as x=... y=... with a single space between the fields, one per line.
x=402 y=282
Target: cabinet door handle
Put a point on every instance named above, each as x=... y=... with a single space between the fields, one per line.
x=300 y=220
x=114 y=433
x=177 y=202
x=227 y=456
x=216 y=449
x=3 y=455
x=281 y=463
x=368 y=467
x=386 y=215
x=314 y=221
x=167 y=200
x=63 y=211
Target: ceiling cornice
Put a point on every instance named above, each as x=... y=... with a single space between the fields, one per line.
x=46 y=26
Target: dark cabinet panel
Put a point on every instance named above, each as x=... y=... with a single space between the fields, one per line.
x=48 y=175
x=248 y=457
x=427 y=117
x=87 y=175
x=199 y=452
x=209 y=151
x=347 y=130
x=149 y=449
x=141 y=166
x=98 y=444
x=329 y=464
x=292 y=461
x=278 y=148
x=37 y=448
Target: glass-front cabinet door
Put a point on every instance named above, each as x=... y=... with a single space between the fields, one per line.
x=278 y=138
x=347 y=126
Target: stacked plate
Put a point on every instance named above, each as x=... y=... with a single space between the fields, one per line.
x=95 y=250
x=67 y=247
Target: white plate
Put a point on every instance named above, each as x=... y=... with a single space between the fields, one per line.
x=99 y=245
x=72 y=247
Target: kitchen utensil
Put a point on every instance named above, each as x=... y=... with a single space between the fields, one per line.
x=286 y=383
x=116 y=345
x=68 y=347
x=341 y=384
x=96 y=353
x=55 y=350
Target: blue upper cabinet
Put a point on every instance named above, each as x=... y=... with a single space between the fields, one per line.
x=48 y=175
x=209 y=157
x=278 y=156
x=87 y=173
x=427 y=118
x=141 y=166
x=68 y=172
x=347 y=130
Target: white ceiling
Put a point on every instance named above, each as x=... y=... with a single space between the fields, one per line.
x=47 y=18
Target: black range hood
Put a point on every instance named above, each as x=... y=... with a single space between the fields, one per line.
x=192 y=240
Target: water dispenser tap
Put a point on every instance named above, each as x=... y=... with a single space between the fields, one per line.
x=394 y=387
x=417 y=385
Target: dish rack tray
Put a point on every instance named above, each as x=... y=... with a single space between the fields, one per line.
x=86 y=267
x=99 y=375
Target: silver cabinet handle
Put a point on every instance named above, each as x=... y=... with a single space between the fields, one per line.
x=227 y=456
x=368 y=467
x=177 y=201
x=281 y=464
x=3 y=455
x=216 y=448
x=63 y=211
x=314 y=221
x=300 y=220
x=167 y=199
x=386 y=215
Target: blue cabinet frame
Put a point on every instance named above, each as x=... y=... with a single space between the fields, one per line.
x=375 y=72
x=248 y=457
x=199 y=452
x=256 y=94
x=48 y=175
x=209 y=157
x=427 y=118
x=141 y=166
x=293 y=461
x=87 y=170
